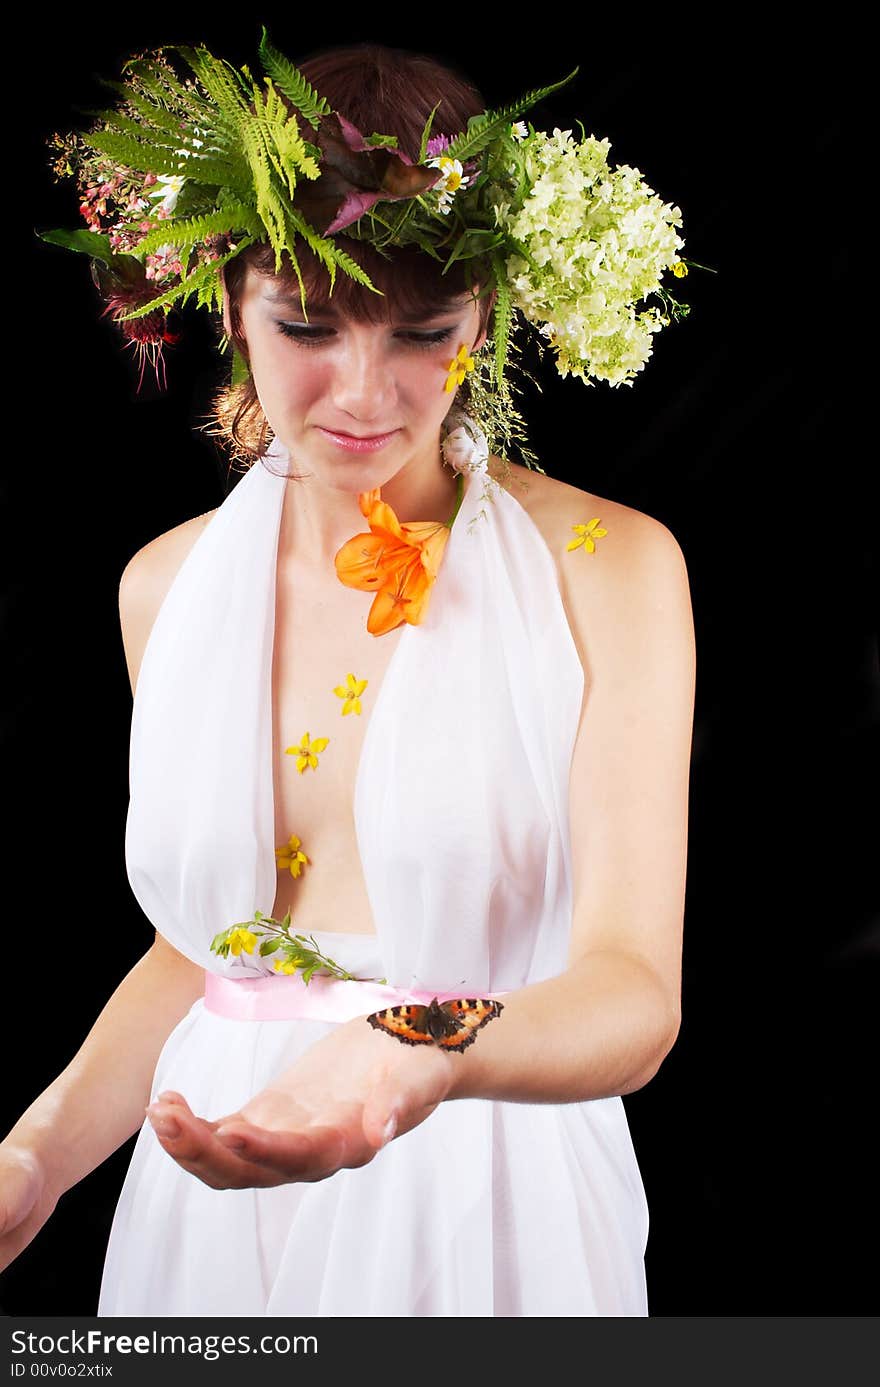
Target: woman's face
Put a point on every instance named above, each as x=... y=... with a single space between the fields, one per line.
x=333 y=375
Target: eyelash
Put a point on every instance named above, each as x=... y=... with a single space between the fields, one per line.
x=313 y=337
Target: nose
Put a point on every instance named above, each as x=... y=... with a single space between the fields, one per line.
x=363 y=383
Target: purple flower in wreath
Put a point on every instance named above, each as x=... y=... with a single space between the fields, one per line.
x=355 y=175
x=437 y=145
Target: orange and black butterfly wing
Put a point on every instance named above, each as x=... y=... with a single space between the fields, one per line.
x=464 y=1017
x=408 y=1023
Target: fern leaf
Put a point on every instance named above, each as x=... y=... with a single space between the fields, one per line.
x=124 y=125
x=152 y=111
x=291 y=82
x=189 y=286
x=217 y=173
x=502 y=316
x=158 y=78
x=140 y=158
x=330 y=253
x=484 y=128
x=235 y=217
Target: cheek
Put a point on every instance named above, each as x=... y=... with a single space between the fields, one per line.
x=425 y=379
x=289 y=379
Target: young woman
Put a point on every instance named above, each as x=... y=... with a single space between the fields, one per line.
x=471 y=784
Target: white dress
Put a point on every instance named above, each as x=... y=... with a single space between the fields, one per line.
x=487 y=1208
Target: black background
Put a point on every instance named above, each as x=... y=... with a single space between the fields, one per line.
x=753 y=1137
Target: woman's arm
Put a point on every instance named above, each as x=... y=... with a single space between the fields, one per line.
x=98 y=1101
x=606 y=1024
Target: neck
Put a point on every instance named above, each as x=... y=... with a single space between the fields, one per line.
x=318 y=517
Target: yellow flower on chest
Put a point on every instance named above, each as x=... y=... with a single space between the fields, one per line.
x=290 y=856
x=307 y=752
x=351 y=691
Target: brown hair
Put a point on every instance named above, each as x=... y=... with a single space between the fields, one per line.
x=392 y=92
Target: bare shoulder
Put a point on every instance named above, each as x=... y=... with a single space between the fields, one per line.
x=145 y=581
x=616 y=566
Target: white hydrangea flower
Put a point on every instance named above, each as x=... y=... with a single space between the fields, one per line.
x=601 y=239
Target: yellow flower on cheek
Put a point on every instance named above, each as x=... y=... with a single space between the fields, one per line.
x=307 y=752
x=351 y=691
x=587 y=534
x=290 y=856
x=458 y=368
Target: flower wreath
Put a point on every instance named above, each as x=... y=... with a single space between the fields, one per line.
x=188 y=170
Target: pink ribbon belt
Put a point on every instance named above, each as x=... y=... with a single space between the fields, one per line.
x=278 y=997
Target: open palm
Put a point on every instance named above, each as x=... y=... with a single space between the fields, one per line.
x=327 y=1110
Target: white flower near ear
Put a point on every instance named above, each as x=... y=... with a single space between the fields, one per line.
x=465 y=446
x=520 y=130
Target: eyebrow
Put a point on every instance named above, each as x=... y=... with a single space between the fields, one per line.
x=286 y=298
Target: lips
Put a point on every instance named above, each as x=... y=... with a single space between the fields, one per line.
x=361 y=437
x=358 y=443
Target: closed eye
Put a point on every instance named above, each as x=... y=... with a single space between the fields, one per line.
x=314 y=336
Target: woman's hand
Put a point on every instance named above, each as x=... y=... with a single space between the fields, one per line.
x=26 y=1200
x=330 y=1109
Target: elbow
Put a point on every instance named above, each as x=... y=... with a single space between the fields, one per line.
x=658 y=1056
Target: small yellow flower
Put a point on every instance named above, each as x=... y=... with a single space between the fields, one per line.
x=289 y=965
x=587 y=534
x=458 y=368
x=290 y=856
x=241 y=939
x=679 y=269
x=307 y=752
x=351 y=691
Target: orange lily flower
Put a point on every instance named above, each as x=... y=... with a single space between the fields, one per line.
x=398 y=562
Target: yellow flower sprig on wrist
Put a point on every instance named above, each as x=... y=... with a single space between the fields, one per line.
x=298 y=953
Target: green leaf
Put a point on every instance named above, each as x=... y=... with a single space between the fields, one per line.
x=124 y=125
x=426 y=135
x=135 y=155
x=240 y=373
x=187 y=233
x=484 y=128
x=502 y=316
x=157 y=115
x=292 y=83
x=268 y=946
x=87 y=242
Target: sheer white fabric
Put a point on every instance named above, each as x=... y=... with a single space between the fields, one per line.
x=488 y=1208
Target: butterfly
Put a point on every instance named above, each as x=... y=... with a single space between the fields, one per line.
x=451 y=1025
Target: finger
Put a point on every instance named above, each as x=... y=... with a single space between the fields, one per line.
x=245 y=1155
x=196 y=1150
x=308 y=1155
x=170 y=1095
